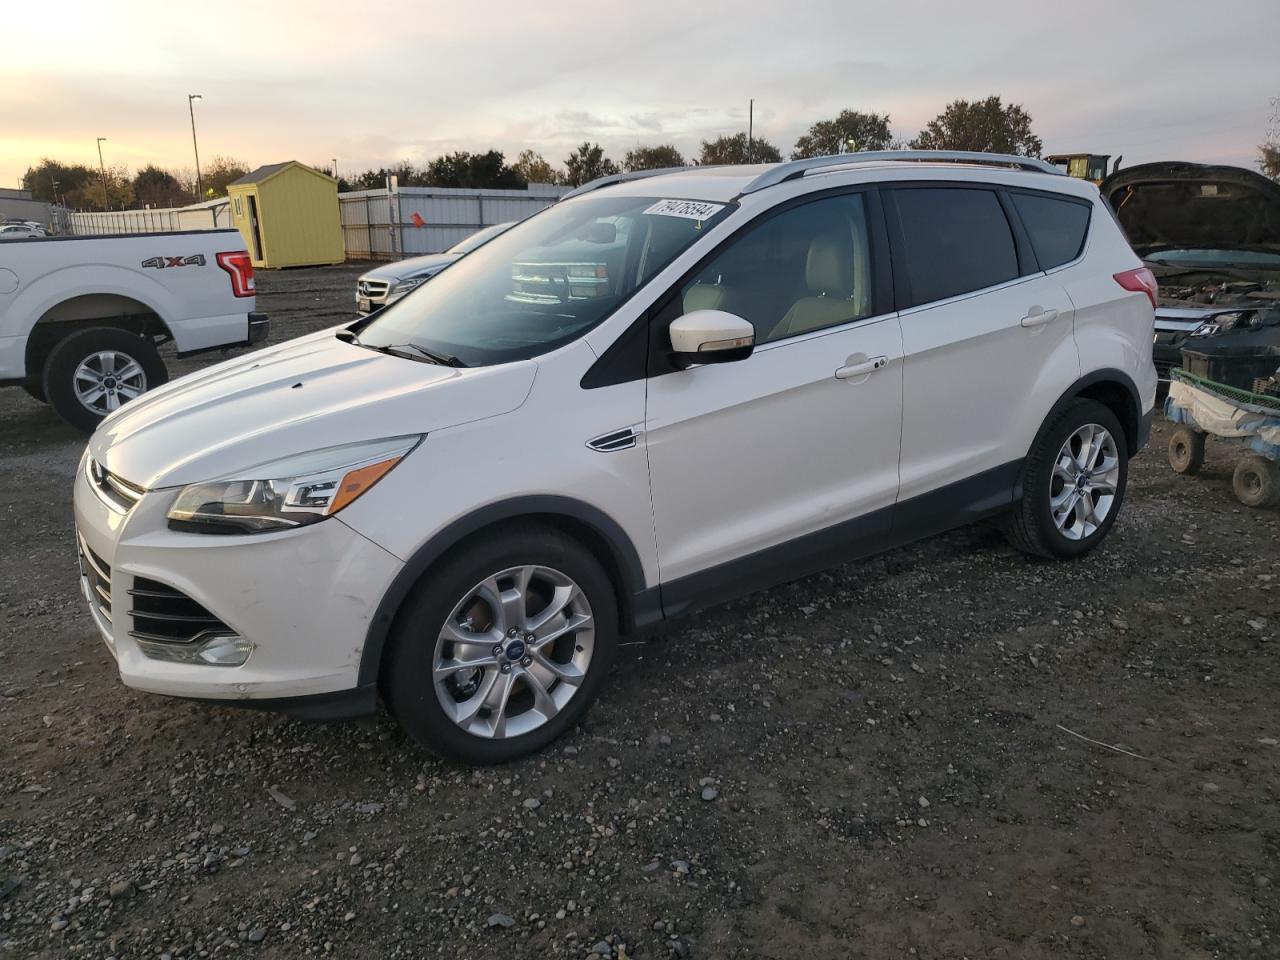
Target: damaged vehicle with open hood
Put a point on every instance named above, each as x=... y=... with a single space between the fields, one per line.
x=1211 y=236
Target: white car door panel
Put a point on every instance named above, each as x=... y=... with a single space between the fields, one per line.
x=746 y=455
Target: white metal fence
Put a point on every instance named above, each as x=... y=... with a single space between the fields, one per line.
x=214 y=215
x=410 y=221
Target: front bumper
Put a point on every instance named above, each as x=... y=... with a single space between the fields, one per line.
x=303 y=598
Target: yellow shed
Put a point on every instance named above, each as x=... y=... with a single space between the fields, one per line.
x=288 y=215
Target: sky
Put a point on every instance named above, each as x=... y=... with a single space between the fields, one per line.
x=371 y=83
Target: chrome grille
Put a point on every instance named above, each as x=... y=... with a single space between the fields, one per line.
x=116 y=492
x=163 y=614
x=374 y=290
x=97 y=574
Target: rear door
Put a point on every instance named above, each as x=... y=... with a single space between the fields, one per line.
x=759 y=466
x=988 y=347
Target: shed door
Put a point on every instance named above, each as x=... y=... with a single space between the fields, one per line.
x=253 y=227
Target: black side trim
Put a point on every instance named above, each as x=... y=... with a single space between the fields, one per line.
x=340 y=705
x=638 y=606
x=955 y=505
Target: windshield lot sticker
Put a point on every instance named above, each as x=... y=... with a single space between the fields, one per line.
x=686 y=209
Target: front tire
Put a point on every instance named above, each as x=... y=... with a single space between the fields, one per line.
x=502 y=647
x=1073 y=483
x=92 y=372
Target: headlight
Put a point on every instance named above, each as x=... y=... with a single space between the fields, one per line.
x=1222 y=322
x=290 y=492
x=401 y=287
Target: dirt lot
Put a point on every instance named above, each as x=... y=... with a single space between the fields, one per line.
x=881 y=747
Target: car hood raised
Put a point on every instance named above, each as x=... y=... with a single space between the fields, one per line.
x=313 y=392
x=413 y=267
x=1194 y=206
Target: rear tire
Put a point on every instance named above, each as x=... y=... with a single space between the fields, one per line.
x=541 y=677
x=1186 y=451
x=92 y=372
x=1073 y=483
x=1257 y=481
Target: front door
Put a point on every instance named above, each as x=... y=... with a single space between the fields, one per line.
x=760 y=467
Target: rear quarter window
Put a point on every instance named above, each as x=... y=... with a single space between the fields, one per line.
x=1056 y=228
x=956 y=240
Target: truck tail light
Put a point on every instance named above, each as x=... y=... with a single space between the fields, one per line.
x=240 y=267
x=1140 y=280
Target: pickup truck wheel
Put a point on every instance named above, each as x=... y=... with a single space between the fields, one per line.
x=92 y=372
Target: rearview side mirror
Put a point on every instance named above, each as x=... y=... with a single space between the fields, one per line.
x=711 y=336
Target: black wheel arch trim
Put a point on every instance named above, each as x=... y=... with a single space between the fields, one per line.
x=1136 y=423
x=638 y=606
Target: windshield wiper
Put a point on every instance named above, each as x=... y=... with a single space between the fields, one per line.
x=412 y=351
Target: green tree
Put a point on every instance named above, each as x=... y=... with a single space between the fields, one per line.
x=1269 y=159
x=851 y=130
x=532 y=167
x=652 y=158
x=118 y=194
x=71 y=180
x=587 y=163
x=154 y=187
x=736 y=149
x=985 y=125
x=474 y=170
x=220 y=172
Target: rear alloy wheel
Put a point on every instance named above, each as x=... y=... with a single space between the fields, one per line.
x=1073 y=483
x=93 y=372
x=503 y=646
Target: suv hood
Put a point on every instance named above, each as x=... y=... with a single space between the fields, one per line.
x=313 y=392
x=413 y=267
x=1194 y=206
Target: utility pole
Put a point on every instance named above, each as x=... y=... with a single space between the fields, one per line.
x=335 y=168
x=751 y=145
x=103 y=171
x=191 y=99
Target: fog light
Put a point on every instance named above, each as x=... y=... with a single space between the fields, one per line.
x=227 y=650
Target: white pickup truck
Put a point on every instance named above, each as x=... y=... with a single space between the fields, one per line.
x=81 y=317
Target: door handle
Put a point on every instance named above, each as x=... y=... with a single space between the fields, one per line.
x=858 y=369
x=1038 y=317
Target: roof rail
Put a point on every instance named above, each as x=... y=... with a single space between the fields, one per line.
x=610 y=180
x=795 y=169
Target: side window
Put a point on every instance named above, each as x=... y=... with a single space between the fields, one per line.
x=1057 y=228
x=957 y=240
x=801 y=270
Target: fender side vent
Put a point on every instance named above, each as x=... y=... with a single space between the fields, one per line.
x=617 y=440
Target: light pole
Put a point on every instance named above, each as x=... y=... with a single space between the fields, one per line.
x=335 y=168
x=102 y=170
x=751 y=146
x=191 y=100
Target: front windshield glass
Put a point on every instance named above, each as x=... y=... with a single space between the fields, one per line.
x=477 y=238
x=1256 y=258
x=544 y=282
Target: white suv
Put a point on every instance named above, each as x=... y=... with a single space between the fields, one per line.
x=465 y=501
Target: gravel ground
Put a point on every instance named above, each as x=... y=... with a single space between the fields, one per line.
x=868 y=763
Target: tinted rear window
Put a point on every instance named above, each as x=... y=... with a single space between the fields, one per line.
x=957 y=240
x=1057 y=228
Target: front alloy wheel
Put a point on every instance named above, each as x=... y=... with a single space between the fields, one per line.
x=502 y=646
x=513 y=652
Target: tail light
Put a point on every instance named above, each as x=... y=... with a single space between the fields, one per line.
x=240 y=267
x=1140 y=280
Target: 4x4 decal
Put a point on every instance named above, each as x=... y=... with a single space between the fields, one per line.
x=196 y=260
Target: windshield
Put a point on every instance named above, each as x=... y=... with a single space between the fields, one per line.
x=544 y=282
x=1215 y=258
x=477 y=238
